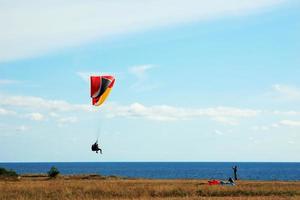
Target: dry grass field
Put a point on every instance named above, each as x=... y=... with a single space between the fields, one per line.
x=95 y=187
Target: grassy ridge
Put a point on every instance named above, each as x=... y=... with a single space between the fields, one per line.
x=86 y=188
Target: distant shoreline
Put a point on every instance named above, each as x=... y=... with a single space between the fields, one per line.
x=167 y=170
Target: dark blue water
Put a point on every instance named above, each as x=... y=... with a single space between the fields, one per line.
x=169 y=170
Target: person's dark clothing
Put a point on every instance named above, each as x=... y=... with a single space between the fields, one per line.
x=235 y=172
x=95 y=147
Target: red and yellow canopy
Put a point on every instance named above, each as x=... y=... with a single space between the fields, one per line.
x=100 y=88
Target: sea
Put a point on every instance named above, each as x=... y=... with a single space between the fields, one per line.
x=167 y=170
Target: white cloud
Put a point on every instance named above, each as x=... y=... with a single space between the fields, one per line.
x=35 y=116
x=226 y=120
x=291 y=142
x=31 y=28
x=287 y=113
x=53 y=114
x=287 y=92
x=262 y=128
x=140 y=71
x=290 y=123
x=67 y=120
x=85 y=76
x=39 y=103
x=22 y=128
x=6 y=112
x=274 y=125
x=168 y=113
x=56 y=108
x=253 y=140
x=218 y=132
x=29 y=107
x=7 y=130
x=7 y=82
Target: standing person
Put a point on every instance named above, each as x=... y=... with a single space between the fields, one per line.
x=235 y=172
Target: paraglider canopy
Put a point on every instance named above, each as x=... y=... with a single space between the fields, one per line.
x=100 y=88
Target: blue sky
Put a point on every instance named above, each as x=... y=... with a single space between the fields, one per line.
x=196 y=81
